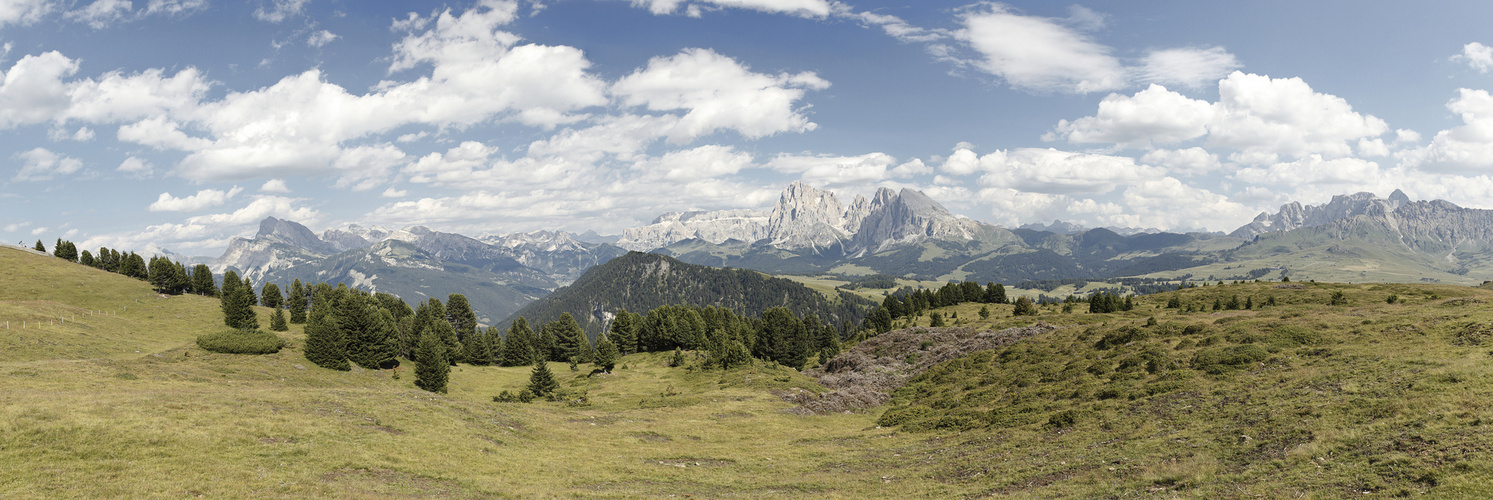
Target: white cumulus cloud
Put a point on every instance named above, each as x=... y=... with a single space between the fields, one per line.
x=1060 y=172
x=702 y=162
x=833 y=171
x=1258 y=116
x=1466 y=148
x=24 y=12
x=41 y=164
x=717 y=92
x=136 y=166
x=203 y=199
x=1037 y=53
x=274 y=186
x=1476 y=55
x=321 y=38
x=805 y=8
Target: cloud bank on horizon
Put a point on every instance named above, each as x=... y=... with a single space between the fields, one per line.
x=509 y=115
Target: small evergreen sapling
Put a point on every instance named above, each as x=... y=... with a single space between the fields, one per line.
x=277 y=321
x=541 y=381
x=606 y=354
x=1024 y=307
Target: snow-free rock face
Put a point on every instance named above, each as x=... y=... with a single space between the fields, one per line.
x=1440 y=226
x=910 y=217
x=1058 y=227
x=808 y=217
x=354 y=236
x=1294 y=215
x=715 y=227
x=279 y=244
x=560 y=254
x=293 y=234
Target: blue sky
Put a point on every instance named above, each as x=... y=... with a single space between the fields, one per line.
x=179 y=124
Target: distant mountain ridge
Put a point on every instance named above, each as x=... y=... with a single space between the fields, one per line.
x=901 y=233
x=498 y=275
x=640 y=282
x=1294 y=215
x=812 y=219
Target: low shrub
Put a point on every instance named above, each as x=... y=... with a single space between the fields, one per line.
x=1219 y=360
x=1124 y=336
x=241 y=342
x=1064 y=419
x=898 y=416
x=1292 y=336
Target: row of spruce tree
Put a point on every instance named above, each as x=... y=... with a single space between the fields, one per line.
x=346 y=326
x=165 y=275
x=909 y=302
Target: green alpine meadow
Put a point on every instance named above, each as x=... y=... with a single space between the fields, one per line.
x=1285 y=388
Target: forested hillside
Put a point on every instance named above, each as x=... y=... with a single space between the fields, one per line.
x=641 y=282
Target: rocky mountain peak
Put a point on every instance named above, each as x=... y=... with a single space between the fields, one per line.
x=920 y=203
x=908 y=217
x=291 y=233
x=806 y=217
x=1399 y=198
x=1057 y=226
x=714 y=227
x=1294 y=215
x=884 y=196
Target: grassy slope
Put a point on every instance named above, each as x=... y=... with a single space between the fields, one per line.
x=1384 y=403
x=1388 y=399
x=92 y=418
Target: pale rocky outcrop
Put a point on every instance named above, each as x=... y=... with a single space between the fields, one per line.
x=1294 y=215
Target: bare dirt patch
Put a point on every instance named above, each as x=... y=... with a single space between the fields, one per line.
x=652 y=437
x=685 y=463
x=389 y=483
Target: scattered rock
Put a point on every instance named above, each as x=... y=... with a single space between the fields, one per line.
x=865 y=376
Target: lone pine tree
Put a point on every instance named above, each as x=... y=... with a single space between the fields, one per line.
x=606 y=354
x=324 y=345
x=459 y=313
x=518 y=345
x=202 y=281
x=296 y=303
x=541 y=380
x=237 y=306
x=270 y=296
x=431 y=367
x=570 y=339
x=277 y=321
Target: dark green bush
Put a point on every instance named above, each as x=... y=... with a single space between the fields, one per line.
x=1220 y=360
x=1063 y=419
x=898 y=416
x=1292 y=336
x=1124 y=336
x=1015 y=416
x=241 y=342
